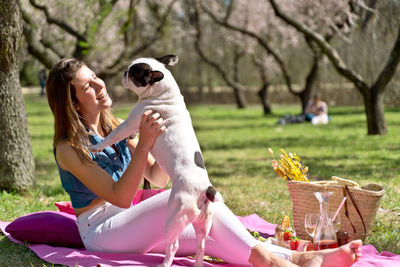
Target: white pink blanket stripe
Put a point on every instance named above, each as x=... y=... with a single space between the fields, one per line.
x=82 y=257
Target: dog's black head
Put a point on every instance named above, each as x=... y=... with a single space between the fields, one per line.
x=142 y=74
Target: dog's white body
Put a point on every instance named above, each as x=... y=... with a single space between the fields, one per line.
x=177 y=151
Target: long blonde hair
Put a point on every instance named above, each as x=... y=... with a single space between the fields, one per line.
x=68 y=125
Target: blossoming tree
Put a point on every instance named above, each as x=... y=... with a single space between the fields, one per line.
x=275 y=38
x=105 y=34
x=372 y=93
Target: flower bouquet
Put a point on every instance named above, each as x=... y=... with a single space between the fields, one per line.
x=289 y=167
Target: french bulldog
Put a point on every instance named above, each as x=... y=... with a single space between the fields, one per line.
x=176 y=150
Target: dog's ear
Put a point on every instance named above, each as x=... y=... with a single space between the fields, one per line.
x=156 y=76
x=168 y=60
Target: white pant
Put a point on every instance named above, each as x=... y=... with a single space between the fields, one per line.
x=140 y=229
x=320 y=119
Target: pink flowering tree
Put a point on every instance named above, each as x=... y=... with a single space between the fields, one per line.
x=102 y=33
x=331 y=18
x=372 y=92
x=223 y=52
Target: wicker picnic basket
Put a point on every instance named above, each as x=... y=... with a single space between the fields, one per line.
x=357 y=224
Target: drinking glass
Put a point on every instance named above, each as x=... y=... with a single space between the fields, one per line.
x=310 y=221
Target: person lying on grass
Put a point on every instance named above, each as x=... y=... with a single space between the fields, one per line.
x=102 y=185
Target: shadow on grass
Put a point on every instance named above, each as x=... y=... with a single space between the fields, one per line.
x=51 y=191
x=353 y=124
x=358 y=169
x=260 y=142
x=12 y=254
x=221 y=114
x=39 y=113
x=47 y=124
x=226 y=116
x=233 y=127
x=48 y=180
x=41 y=137
x=237 y=167
x=48 y=166
x=347 y=111
x=392 y=109
x=237 y=145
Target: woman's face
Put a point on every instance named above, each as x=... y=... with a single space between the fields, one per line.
x=90 y=92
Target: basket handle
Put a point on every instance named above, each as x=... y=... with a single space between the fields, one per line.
x=347 y=192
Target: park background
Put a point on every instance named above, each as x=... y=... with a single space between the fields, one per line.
x=243 y=65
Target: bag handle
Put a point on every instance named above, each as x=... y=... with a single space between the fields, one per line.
x=346 y=210
x=346 y=191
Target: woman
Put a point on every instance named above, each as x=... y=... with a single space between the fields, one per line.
x=317 y=111
x=102 y=185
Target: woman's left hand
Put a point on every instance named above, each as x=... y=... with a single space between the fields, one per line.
x=151 y=127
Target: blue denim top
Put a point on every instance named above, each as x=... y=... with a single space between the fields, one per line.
x=108 y=159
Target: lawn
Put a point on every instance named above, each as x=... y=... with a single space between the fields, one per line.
x=234 y=144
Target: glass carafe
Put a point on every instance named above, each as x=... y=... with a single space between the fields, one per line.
x=325 y=235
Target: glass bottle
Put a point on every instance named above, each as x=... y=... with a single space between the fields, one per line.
x=325 y=235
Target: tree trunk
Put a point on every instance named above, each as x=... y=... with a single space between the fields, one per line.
x=238 y=92
x=311 y=79
x=374 y=109
x=239 y=97
x=16 y=160
x=262 y=93
x=200 y=83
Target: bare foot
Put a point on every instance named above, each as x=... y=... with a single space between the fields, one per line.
x=343 y=256
x=261 y=257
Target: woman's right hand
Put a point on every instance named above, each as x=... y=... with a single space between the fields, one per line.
x=151 y=127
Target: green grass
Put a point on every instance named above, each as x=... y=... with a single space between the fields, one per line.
x=234 y=143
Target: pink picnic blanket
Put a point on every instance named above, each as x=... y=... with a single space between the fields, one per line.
x=82 y=257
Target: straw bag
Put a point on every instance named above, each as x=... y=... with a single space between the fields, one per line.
x=361 y=206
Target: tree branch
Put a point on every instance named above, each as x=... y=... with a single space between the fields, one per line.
x=369 y=15
x=261 y=68
x=157 y=34
x=49 y=45
x=390 y=68
x=51 y=20
x=214 y=64
x=326 y=48
x=104 y=10
x=229 y=10
x=109 y=70
x=117 y=66
x=45 y=55
x=260 y=40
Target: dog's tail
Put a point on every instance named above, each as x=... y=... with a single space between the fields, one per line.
x=213 y=195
